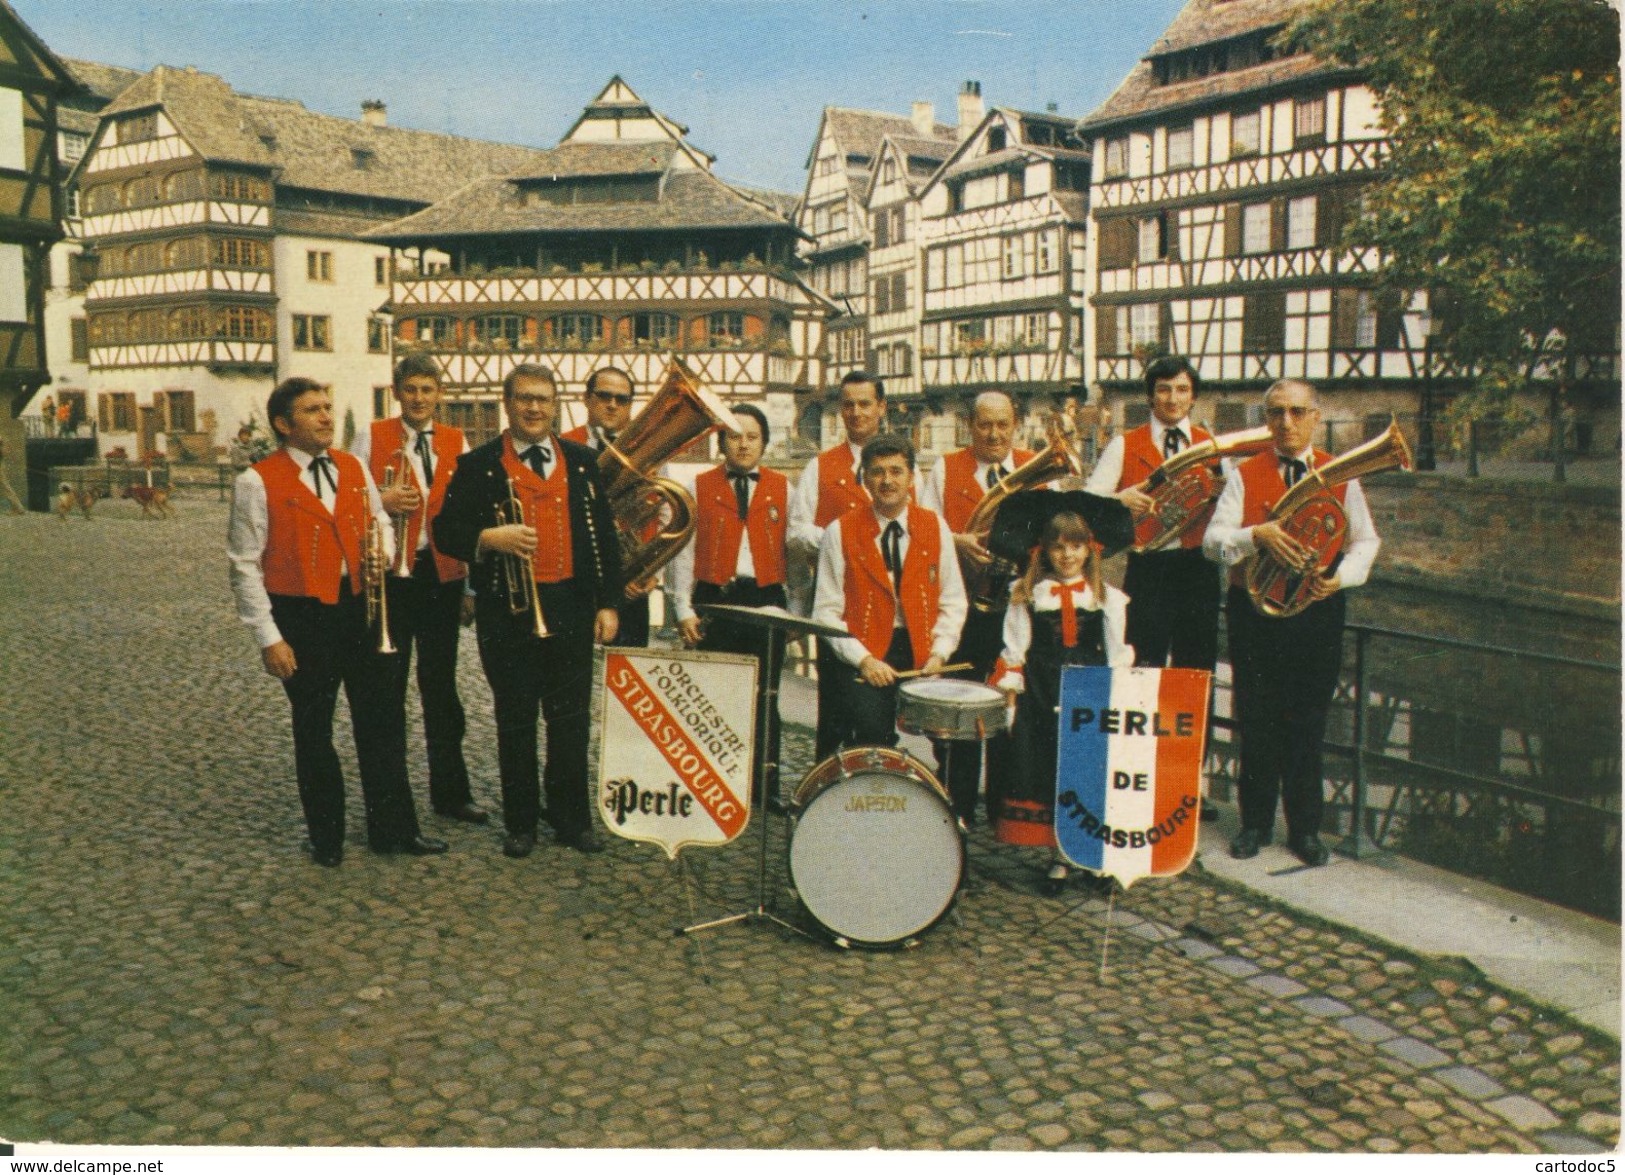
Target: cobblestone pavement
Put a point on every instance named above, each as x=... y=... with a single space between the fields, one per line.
x=177 y=972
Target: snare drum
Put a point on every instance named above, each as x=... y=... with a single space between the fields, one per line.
x=945 y=707
x=876 y=854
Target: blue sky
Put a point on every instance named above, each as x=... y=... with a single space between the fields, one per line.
x=747 y=77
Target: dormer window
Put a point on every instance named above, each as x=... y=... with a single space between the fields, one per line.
x=362 y=158
x=995 y=139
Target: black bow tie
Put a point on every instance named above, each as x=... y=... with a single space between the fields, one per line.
x=320 y=468
x=538 y=457
x=1173 y=440
x=1292 y=471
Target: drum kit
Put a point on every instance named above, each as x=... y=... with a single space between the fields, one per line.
x=876 y=854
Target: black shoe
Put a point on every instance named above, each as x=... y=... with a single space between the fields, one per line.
x=1210 y=812
x=776 y=806
x=1246 y=845
x=518 y=844
x=330 y=858
x=1055 y=882
x=1309 y=850
x=585 y=841
x=466 y=813
x=418 y=846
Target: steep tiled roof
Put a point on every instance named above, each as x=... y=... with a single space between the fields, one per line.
x=997 y=160
x=316 y=151
x=1203 y=22
x=102 y=81
x=600 y=159
x=689 y=200
x=859 y=131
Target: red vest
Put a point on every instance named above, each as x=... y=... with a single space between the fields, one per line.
x=871 y=610
x=961 y=489
x=1262 y=486
x=388 y=437
x=839 y=489
x=547 y=511
x=718 y=528
x=578 y=434
x=305 y=544
x=1142 y=458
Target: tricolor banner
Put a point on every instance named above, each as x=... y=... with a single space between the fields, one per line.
x=677 y=745
x=1128 y=795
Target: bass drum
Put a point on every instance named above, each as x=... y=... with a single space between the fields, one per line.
x=876 y=853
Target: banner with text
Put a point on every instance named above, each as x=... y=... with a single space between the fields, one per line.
x=1128 y=793
x=676 y=745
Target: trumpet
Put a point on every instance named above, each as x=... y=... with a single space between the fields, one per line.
x=399 y=473
x=519 y=571
x=375 y=577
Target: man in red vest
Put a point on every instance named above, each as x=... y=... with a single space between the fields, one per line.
x=953 y=489
x=829 y=487
x=1285 y=669
x=737 y=557
x=412 y=457
x=608 y=397
x=565 y=553
x=297 y=544
x=889 y=575
x=1173 y=609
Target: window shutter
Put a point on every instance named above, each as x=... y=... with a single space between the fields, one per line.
x=1106 y=331
x=1170 y=235
x=104 y=412
x=1165 y=325
x=80 y=344
x=1329 y=217
x=1232 y=230
x=1117 y=242
x=1390 y=320
x=1345 y=317
x=1263 y=321
x=1278 y=224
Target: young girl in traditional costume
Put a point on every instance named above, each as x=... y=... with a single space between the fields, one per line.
x=1060 y=614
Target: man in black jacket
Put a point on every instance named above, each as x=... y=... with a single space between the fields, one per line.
x=564 y=550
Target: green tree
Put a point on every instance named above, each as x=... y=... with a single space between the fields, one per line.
x=1501 y=189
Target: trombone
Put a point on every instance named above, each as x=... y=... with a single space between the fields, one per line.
x=399 y=473
x=375 y=577
x=519 y=571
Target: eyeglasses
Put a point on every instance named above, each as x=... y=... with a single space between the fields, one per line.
x=1295 y=411
x=621 y=398
x=532 y=401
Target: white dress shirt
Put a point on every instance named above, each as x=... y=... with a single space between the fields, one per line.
x=1108 y=470
x=829 y=604
x=1018 y=626
x=681 y=568
x=1230 y=543
x=361 y=449
x=249 y=529
x=936 y=482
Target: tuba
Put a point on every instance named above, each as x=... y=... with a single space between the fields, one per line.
x=654 y=516
x=1185 y=487
x=1310 y=513
x=988 y=584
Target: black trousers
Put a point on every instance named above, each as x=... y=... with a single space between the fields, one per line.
x=554 y=675
x=724 y=636
x=332 y=647
x=1173 y=609
x=1285 y=674
x=832 y=721
x=869 y=714
x=633 y=630
x=960 y=763
x=427 y=614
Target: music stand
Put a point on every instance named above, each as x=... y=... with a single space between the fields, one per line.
x=770 y=619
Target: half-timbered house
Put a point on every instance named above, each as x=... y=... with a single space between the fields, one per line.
x=839 y=210
x=32 y=83
x=617 y=247
x=1225 y=169
x=226 y=236
x=1003 y=225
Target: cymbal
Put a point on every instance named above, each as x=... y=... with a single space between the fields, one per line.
x=771 y=616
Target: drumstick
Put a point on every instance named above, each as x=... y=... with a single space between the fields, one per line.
x=906 y=674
